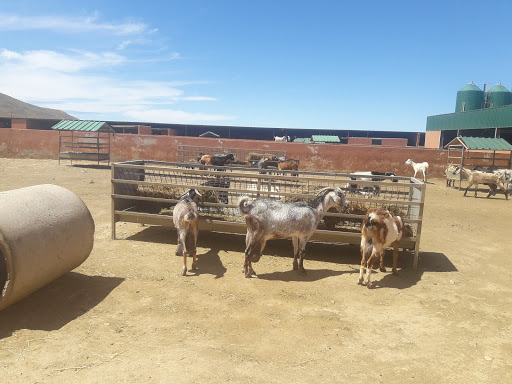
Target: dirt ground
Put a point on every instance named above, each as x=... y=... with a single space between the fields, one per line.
x=127 y=315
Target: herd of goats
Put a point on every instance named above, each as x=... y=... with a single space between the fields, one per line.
x=269 y=218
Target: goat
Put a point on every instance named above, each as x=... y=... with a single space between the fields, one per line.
x=288 y=165
x=450 y=173
x=185 y=217
x=369 y=189
x=219 y=160
x=273 y=219
x=263 y=163
x=282 y=138
x=493 y=180
x=423 y=167
x=380 y=229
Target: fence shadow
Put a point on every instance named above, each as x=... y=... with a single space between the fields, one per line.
x=90 y=166
x=57 y=304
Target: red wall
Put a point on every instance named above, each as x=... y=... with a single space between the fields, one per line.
x=20 y=143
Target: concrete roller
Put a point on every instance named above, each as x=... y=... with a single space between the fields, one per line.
x=45 y=232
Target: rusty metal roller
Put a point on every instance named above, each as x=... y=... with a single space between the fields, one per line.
x=45 y=232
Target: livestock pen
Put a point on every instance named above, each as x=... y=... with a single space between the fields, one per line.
x=144 y=192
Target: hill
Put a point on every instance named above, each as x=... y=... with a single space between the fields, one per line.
x=14 y=108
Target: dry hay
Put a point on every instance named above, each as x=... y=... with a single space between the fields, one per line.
x=163 y=192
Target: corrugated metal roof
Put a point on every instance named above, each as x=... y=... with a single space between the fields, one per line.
x=481 y=143
x=325 y=139
x=500 y=117
x=83 y=125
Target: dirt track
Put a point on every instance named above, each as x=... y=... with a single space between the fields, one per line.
x=126 y=314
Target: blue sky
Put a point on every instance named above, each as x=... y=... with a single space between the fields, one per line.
x=369 y=65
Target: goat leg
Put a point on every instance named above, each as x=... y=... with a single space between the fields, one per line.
x=369 y=267
x=194 y=252
x=248 y=271
x=295 y=242
x=382 y=268
x=395 y=257
x=301 y=260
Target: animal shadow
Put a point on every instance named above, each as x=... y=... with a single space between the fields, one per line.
x=407 y=276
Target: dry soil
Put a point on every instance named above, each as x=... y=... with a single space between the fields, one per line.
x=126 y=314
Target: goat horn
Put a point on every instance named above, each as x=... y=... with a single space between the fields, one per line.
x=325 y=189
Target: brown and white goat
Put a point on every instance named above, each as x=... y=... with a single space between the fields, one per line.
x=380 y=229
x=185 y=217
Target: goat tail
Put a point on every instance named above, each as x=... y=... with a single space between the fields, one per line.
x=244 y=208
x=190 y=216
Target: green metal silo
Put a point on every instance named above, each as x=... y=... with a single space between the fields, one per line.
x=499 y=96
x=469 y=98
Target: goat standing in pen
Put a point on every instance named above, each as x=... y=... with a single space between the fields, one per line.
x=185 y=217
x=273 y=219
x=380 y=229
x=423 y=167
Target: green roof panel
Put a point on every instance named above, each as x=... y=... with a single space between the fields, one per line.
x=83 y=126
x=325 y=138
x=486 y=143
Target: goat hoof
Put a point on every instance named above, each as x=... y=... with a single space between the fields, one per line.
x=360 y=282
x=194 y=267
x=295 y=267
x=184 y=272
x=395 y=272
x=370 y=285
x=382 y=269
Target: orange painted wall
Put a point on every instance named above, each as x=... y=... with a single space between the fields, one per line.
x=21 y=143
x=432 y=139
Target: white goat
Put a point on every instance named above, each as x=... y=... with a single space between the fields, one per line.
x=423 y=167
x=282 y=138
x=185 y=217
x=273 y=219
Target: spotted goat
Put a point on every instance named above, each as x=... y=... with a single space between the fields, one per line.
x=274 y=219
x=380 y=229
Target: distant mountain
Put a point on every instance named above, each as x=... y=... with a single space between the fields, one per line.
x=14 y=108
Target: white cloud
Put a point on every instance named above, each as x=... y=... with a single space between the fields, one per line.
x=57 y=80
x=67 y=24
x=58 y=62
x=198 y=98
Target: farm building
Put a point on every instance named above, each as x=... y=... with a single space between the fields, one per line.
x=478 y=113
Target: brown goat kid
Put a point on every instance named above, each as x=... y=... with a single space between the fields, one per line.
x=185 y=217
x=380 y=229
